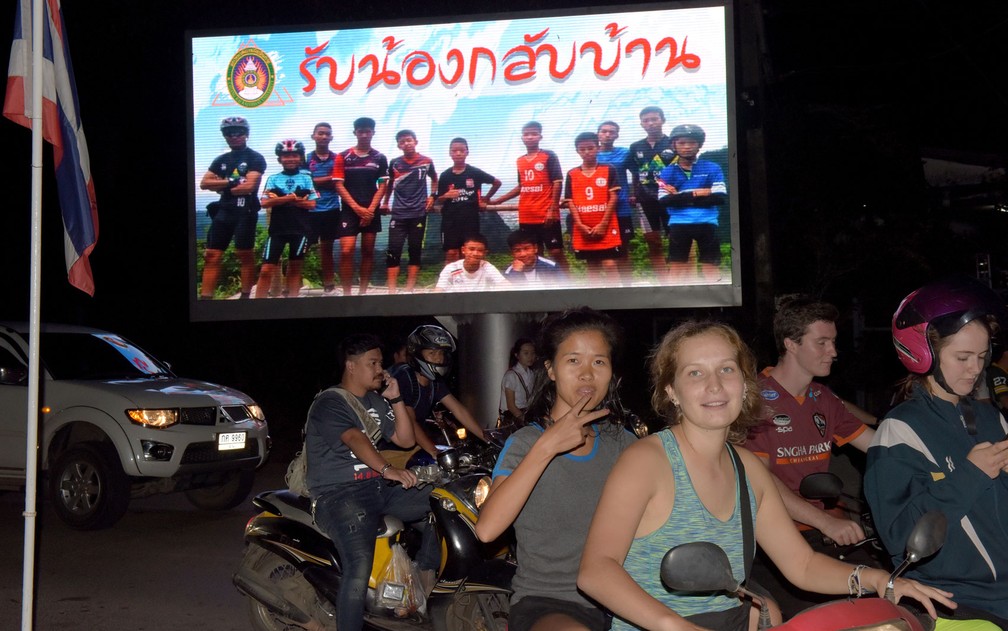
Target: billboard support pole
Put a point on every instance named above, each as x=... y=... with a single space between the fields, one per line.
x=485 y=339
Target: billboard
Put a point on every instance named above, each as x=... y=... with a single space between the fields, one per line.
x=506 y=163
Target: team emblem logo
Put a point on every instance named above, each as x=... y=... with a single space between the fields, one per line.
x=600 y=181
x=250 y=77
x=782 y=420
x=539 y=166
x=820 y=423
x=770 y=395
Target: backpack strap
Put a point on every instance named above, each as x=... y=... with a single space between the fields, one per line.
x=748 y=535
x=371 y=427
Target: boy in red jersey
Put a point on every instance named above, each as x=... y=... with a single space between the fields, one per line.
x=591 y=195
x=540 y=183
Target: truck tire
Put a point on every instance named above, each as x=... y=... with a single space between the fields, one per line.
x=88 y=486
x=230 y=493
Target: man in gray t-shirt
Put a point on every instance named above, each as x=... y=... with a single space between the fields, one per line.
x=351 y=484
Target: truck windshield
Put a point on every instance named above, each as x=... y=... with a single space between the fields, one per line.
x=97 y=356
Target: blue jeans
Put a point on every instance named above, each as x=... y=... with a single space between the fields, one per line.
x=351 y=516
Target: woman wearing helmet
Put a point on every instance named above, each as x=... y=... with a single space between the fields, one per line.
x=940 y=450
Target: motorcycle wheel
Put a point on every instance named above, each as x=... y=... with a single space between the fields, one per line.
x=478 y=611
x=286 y=579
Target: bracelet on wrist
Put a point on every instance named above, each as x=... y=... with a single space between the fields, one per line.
x=387 y=466
x=854 y=588
x=395 y=400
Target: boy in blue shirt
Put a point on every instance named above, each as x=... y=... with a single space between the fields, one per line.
x=616 y=158
x=692 y=190
x=288 y=198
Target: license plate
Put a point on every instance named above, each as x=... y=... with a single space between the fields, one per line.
x=230 y=440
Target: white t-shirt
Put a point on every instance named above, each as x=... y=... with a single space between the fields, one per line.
x=513 y=379
x=454 y=277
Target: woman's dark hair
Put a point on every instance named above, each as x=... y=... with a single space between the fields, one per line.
x=554 y=330
x=513 y=355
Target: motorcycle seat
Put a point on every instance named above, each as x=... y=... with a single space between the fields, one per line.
x=299 y=509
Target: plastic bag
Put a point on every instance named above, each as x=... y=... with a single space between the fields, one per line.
x=399 y=587
x=297 y=474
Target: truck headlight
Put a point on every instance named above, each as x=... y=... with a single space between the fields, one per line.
x=158 y=419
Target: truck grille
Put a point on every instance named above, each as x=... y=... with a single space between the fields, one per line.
x=199 y=416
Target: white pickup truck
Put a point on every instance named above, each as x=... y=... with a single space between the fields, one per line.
x=115 y=424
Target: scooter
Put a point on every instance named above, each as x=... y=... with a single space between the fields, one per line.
x=291 y=571
x=704 y=567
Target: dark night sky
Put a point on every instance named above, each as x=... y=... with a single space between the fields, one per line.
x=855 y=90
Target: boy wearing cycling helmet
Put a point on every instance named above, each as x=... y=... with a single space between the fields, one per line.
x=941 y=450
x=289 y=196
x=235 y=175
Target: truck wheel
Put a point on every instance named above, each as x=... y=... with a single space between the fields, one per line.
x=89 y=488
x=230 y=493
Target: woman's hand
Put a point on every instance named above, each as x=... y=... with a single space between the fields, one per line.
x=569 y=432
x=991 y=458
x=923 y=594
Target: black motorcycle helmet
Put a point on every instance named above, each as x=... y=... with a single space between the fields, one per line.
x=432 y=337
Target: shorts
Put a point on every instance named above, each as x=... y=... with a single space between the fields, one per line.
x=600 y=255
x=275 y=246
x=349 y=224
x=456 y=225
x=626 y=232
x=654 y=212
x=527 y=611
x=232 y=222
x=682 y=236
x=408 y=230
x=323 y=225
x=547 y=235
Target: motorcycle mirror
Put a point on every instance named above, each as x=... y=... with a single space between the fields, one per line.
x=927 y=536
x=697 y=567
x=821 y=486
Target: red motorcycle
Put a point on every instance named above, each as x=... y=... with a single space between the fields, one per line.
x=704 y=567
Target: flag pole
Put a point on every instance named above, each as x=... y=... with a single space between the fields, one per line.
x=31 y=442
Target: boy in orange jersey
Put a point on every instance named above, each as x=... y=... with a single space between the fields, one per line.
x=591 y=195
x=540 y=183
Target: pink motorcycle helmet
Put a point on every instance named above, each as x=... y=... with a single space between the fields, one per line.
x=945 y=307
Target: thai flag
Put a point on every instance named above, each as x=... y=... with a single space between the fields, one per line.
x=61 y=127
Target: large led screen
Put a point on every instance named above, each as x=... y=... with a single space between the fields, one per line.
x=508 y=163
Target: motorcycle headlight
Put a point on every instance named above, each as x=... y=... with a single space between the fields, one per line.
x=481 y=491
x=158 y=419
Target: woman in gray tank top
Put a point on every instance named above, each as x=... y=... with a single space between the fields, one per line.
x=681 y=485
x=550 y=473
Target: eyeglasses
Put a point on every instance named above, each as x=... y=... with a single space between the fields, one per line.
x=233 y=133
